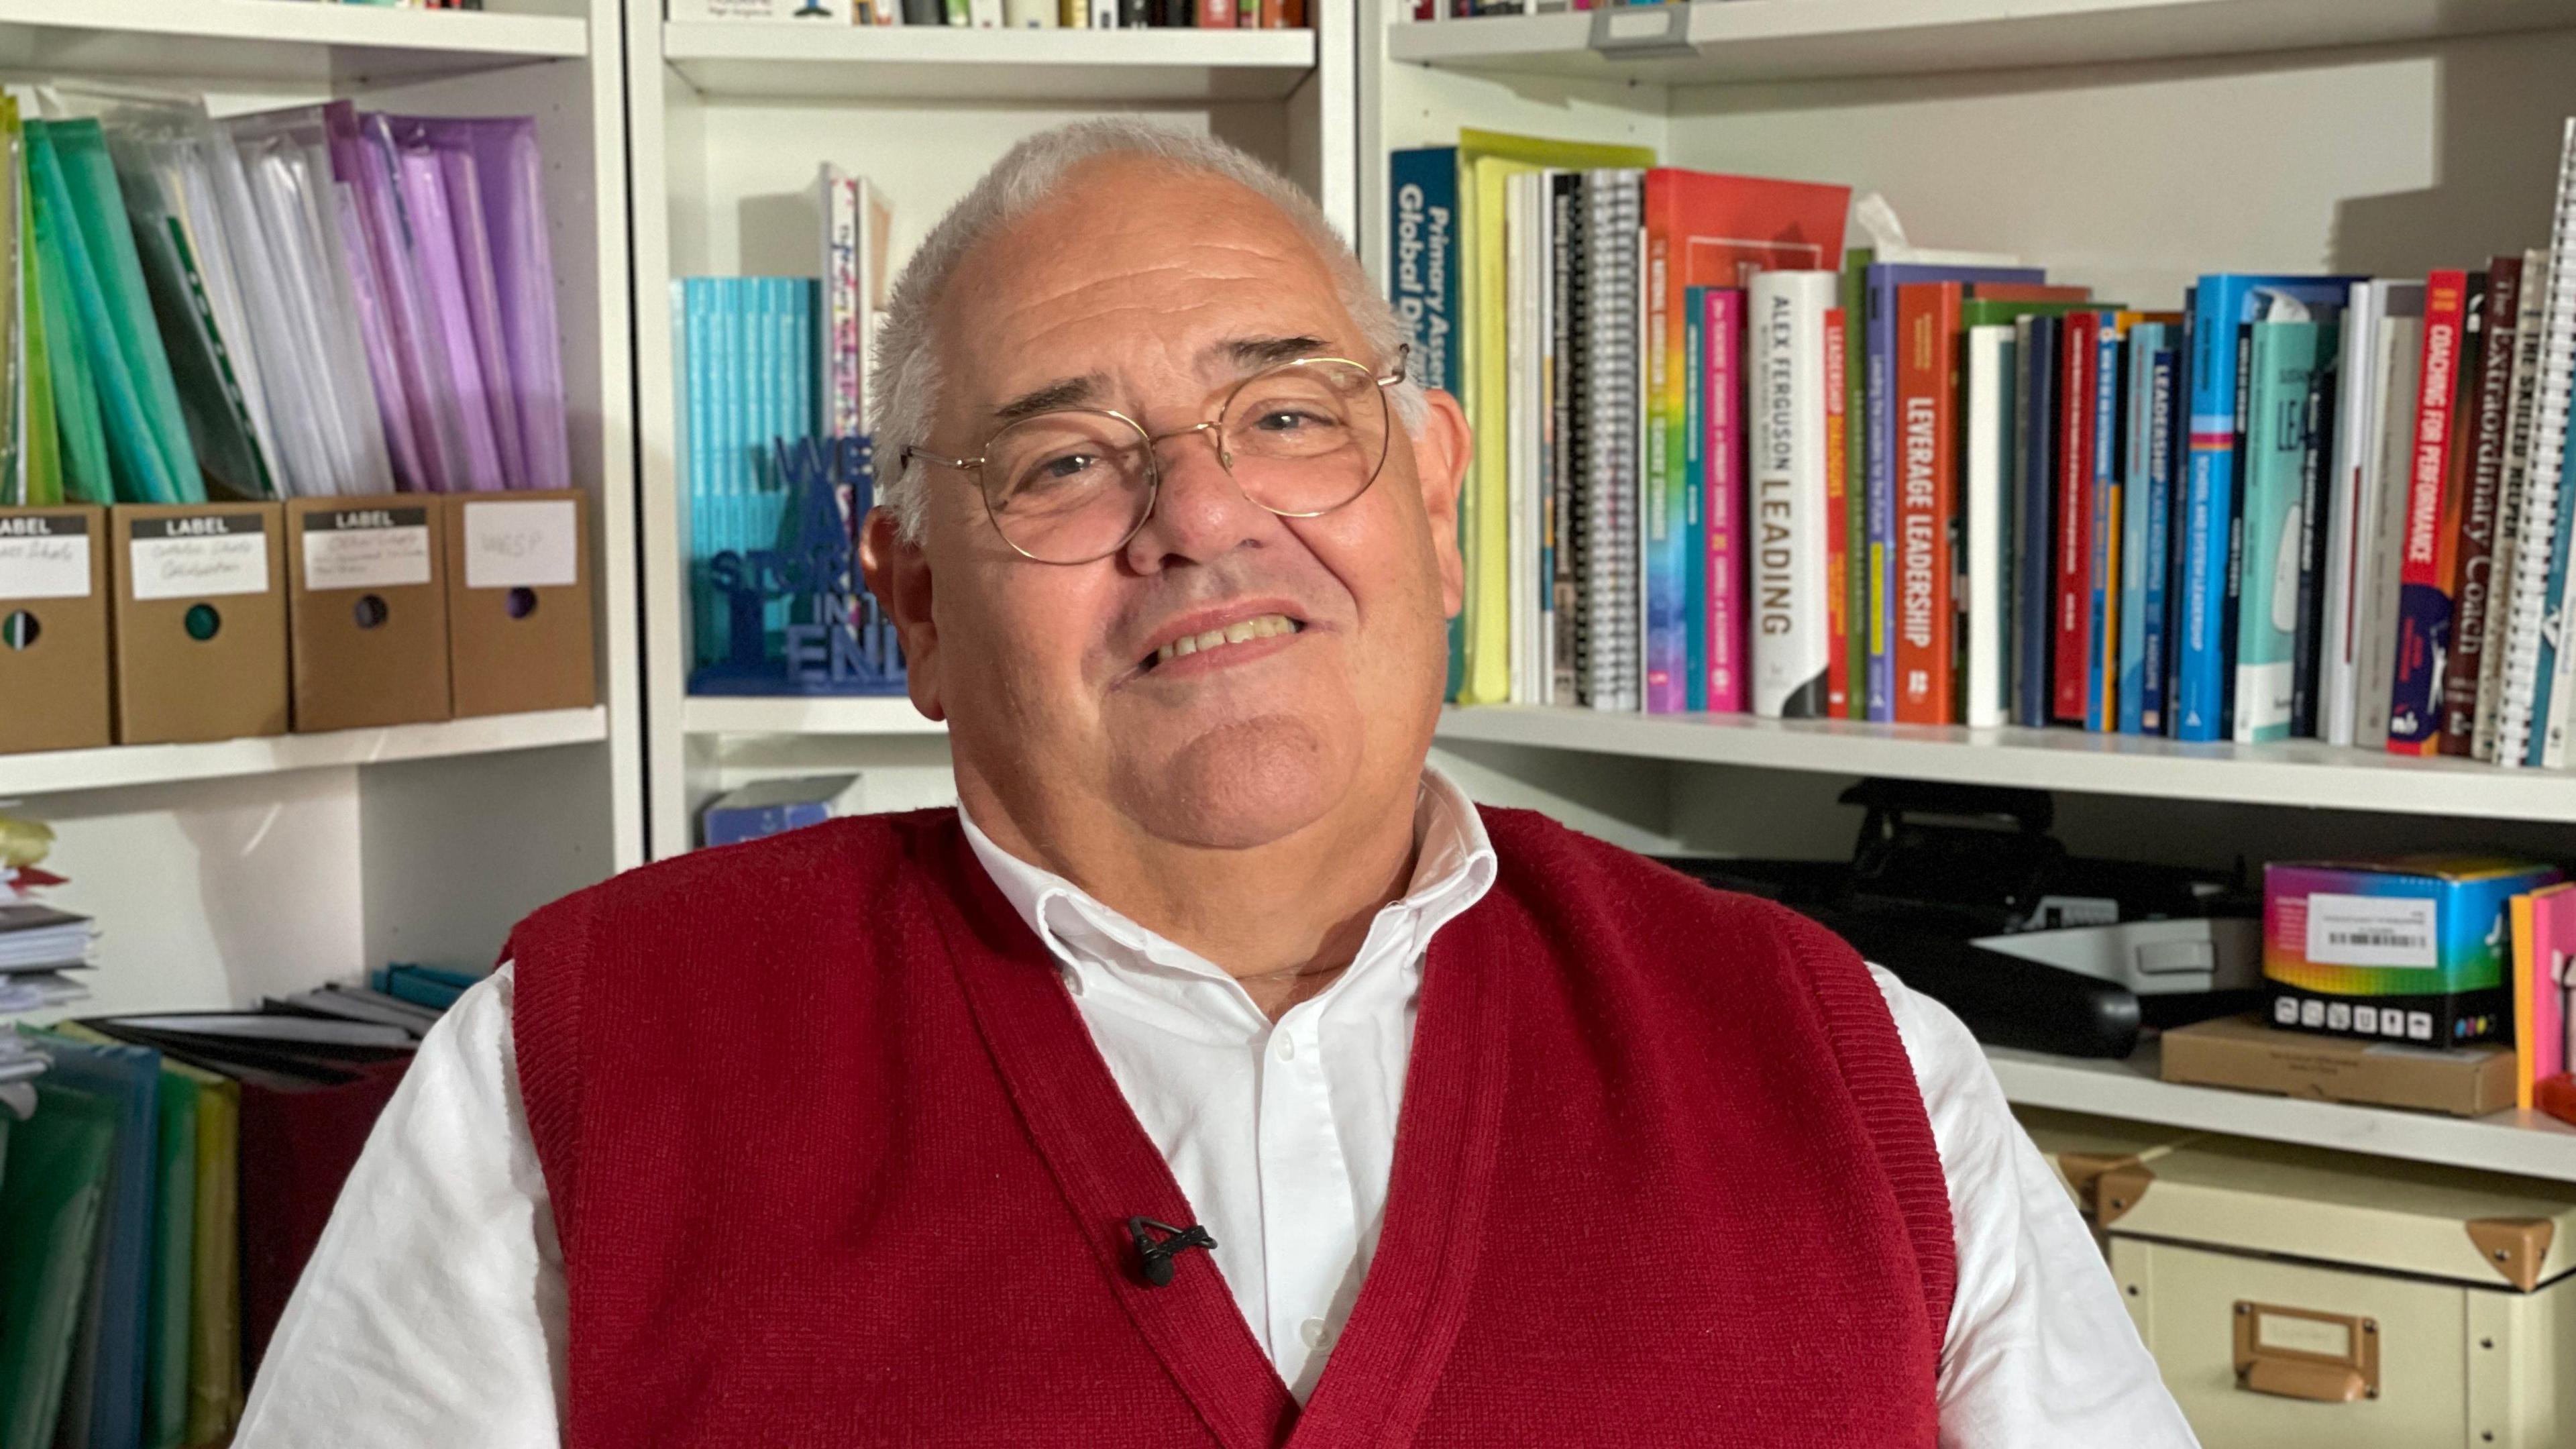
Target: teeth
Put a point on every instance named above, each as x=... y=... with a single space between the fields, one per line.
x=1239 y=632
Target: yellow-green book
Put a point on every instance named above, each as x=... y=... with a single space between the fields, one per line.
x=1485 y=160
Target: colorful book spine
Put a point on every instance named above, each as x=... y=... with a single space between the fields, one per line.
x=2102 y=623
x=1838 y=679
x=2284 y=361
x=844 y=306
x=2424 y=605
x=1694 y=439
x=1787 y=330
x=2070 y=595
x=1880 y=347
x=2473 y=534
x=1422 y=273
x=1924 y=403
x=1723 y=450
x=1665 y=559
x=2221 y=304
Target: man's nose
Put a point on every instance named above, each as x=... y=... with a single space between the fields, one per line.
x=1201 y=511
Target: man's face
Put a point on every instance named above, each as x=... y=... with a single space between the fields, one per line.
x=1152 y=291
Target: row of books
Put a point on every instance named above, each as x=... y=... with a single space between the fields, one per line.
x=1011 y=14
x=161 y=1198
x=302 y=303
x=1723 y=466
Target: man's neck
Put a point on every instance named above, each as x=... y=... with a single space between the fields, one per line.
x=1280 y=917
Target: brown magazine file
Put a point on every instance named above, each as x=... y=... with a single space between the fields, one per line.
x=53 y=628
x=518 y=601
x=366 y=617
x=200 y=621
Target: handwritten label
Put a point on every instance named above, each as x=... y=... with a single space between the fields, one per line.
x=533 y=544
x=201 y=557
x=44 y=558
x=366 y=548
x=2370 y=931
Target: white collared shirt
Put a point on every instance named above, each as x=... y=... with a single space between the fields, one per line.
x=432 y=1313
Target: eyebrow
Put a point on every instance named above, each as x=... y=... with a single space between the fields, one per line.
x=1064 y=392
x=1247 y=354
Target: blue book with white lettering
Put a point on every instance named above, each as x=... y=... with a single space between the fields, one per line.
x=1422 y=281
x=2221 y=304
x=2146 y=345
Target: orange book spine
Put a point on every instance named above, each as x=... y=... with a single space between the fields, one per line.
x=1927 y=319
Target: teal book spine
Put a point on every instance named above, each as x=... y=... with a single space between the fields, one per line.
x=2284 y=357
x=80 y=150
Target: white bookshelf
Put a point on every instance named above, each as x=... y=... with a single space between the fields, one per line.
x=731 y=122
x=2531 y=1143
x=2127 y=144
x=224 y=871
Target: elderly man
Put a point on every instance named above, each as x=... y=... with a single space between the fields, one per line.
x=1217 y=1074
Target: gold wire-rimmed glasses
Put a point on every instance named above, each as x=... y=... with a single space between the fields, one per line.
x=1073 y=485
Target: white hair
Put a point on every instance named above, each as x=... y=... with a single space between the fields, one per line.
x=906 y=371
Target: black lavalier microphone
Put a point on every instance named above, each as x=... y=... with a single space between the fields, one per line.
x=1154 y=1255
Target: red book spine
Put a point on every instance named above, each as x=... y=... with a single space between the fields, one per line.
x=1838 y=683
x=1926 y=459
x=1216 y=14
x=1723 y=499
x=2414 y=719
x=2072 y=607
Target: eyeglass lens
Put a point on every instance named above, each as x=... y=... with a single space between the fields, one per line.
x=1303 y=439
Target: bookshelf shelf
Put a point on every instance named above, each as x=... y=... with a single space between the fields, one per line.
x=274 y=40
x=1790 y=40
x=122 y=766
x=853 y=63
x=2296 y=772
x=2520 y=1142
x=866 y=716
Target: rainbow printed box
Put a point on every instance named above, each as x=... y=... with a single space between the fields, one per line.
x=2414 y=948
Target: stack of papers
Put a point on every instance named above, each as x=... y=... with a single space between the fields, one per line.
x=41 y=938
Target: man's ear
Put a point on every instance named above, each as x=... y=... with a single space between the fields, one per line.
x=899 y=575
x=1442 y=448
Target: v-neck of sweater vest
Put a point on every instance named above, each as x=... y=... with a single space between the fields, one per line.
x=1414 y=1295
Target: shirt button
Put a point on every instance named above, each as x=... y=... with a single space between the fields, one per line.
x=1287 y=1047
x=1314 y=1332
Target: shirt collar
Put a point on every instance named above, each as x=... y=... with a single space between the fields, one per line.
x=1453 y=867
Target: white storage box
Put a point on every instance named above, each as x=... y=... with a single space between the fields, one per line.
x=2297 y=1298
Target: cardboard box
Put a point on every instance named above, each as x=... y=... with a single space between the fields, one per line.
x=518 y=602
x=2407 y=949
x=199 y=622
x=366 y=612
x=53 y=628
x=2240 y=1051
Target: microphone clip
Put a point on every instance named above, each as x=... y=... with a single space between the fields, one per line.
x=1154 y=1255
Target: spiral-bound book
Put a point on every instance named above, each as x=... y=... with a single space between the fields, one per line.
x=2539 y=570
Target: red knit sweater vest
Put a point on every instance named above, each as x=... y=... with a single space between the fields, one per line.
x=834 y=1162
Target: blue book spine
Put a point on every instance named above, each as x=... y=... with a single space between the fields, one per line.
x=2220 y=304
x=2101 y=660
x=2156 y=554
x=2179 y=512
x=1423 y=282
x=1694 y=498
x=2146 y=339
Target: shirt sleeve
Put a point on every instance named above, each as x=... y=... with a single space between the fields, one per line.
x=2040 y=1353
x=432 y=1311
